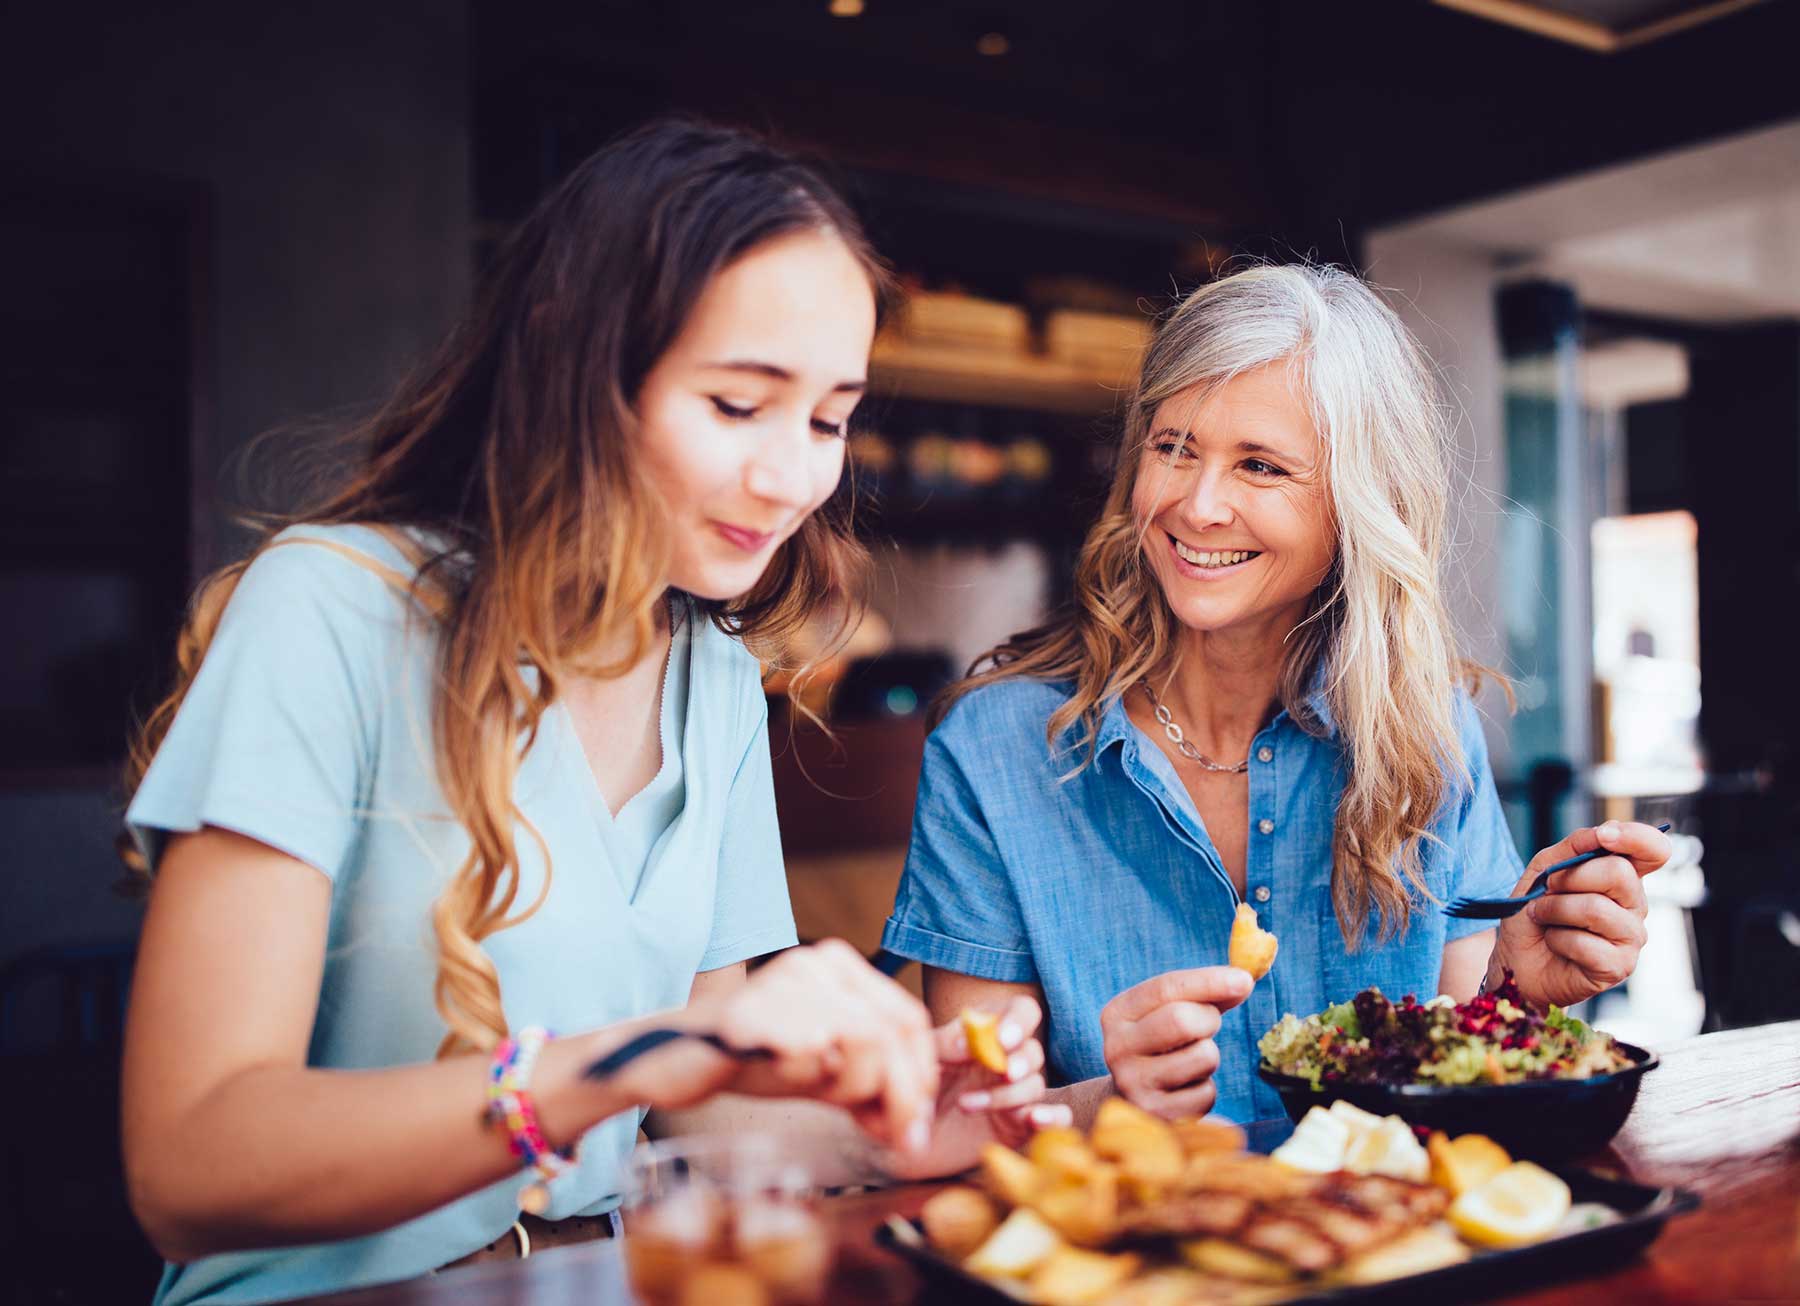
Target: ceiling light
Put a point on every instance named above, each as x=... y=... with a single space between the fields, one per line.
x=846 y=8
x=993 y=44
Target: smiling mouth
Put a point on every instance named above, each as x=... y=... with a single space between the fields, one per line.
x=748 y=540
x=1212 y=559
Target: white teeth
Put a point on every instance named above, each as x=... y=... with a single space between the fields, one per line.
x=1213 y=558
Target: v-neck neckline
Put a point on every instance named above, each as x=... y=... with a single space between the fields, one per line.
x=670 y=756
x=634 y=881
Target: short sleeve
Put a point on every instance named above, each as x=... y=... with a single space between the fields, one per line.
x=751 y=911
x=274 y=739
x=1487 y=862
x=955 y=908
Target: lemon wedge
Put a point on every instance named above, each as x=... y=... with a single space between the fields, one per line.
x=1521 y=1204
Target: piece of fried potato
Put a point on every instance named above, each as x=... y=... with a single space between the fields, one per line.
x=982 y=1030
x=1199 y=1136
x=1073 y=1277
x=1009 y=1176
x=1021 y=1244
x=958 y=1220
x=1086 y=1211
x=1252 y=948
x=1060 y=1152
x=1430 y=1248
x=1222 y=1257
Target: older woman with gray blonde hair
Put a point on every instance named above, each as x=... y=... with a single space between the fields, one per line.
x=1256 y=696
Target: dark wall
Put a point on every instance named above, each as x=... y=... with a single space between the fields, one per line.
x=331 y=144
x=1273 y=126
x=1742 y=418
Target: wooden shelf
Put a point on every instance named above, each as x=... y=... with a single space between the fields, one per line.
x=962 y=375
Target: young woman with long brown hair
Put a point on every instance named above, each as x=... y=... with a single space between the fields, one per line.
x=1256 y=697
x=480 y=746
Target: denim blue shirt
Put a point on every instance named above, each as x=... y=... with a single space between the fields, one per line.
x=1090 y=885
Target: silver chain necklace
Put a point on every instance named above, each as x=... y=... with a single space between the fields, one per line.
x=1179 y=739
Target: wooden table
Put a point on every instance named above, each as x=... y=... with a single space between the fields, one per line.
x=1720 y=1117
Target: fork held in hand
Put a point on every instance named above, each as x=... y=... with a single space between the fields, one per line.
x=1498 y=909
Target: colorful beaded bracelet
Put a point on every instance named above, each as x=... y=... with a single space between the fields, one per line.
x=510 y=1105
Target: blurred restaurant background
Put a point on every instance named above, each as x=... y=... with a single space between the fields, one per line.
x=222 y=221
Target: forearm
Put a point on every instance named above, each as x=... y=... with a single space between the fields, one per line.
x=279 y=1155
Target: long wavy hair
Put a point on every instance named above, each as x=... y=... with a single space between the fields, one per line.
x=513 y=447
x=1377 y=638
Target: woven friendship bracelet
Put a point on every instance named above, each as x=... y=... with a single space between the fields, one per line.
x=510 y=1105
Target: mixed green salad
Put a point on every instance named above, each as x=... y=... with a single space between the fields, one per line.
x=1494 y=1038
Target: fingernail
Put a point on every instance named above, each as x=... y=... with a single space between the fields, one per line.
x=1610 y=830
x=918 y=1134
x=1010 y=1034
x=975 y=1101
x=1045 y=1116
x=1017 y=1067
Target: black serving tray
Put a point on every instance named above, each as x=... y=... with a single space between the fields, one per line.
x=1539 y=1118
x=1643 y=1213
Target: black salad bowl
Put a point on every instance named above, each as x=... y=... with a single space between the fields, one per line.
x=1546 y=1119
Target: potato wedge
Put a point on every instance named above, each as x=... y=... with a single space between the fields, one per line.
x=1209 y=1135
x=1009 y=1176
x=1251 y=948
x=1073 y=1277
x=1084 y=1212
x=1021 y=1244
x=1229 y=1260
x=1061 y=1153
x=958 y=1220
x=982 y=1030
x=1430 y=1248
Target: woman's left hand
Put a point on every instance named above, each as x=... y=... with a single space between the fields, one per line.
x=975 y=1106
x=1584 y=935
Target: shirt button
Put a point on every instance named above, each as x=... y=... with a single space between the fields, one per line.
x=1265 y=754
x=1262 y=893
x=1266 y=826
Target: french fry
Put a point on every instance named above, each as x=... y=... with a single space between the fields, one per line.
x=1252 y=948
x=982 y=1029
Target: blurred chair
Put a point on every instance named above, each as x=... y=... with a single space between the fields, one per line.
x=65 y=1224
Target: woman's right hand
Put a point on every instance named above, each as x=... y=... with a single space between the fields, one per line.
x=1158 y=1038
x=839 y=1031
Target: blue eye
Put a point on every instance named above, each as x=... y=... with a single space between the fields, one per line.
x=1261 y=468
x=729 y=410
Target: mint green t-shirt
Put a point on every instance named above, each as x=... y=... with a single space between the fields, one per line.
x=308 y=728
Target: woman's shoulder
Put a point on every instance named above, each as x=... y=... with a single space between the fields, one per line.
x=343 y=585
x=1003 y=709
